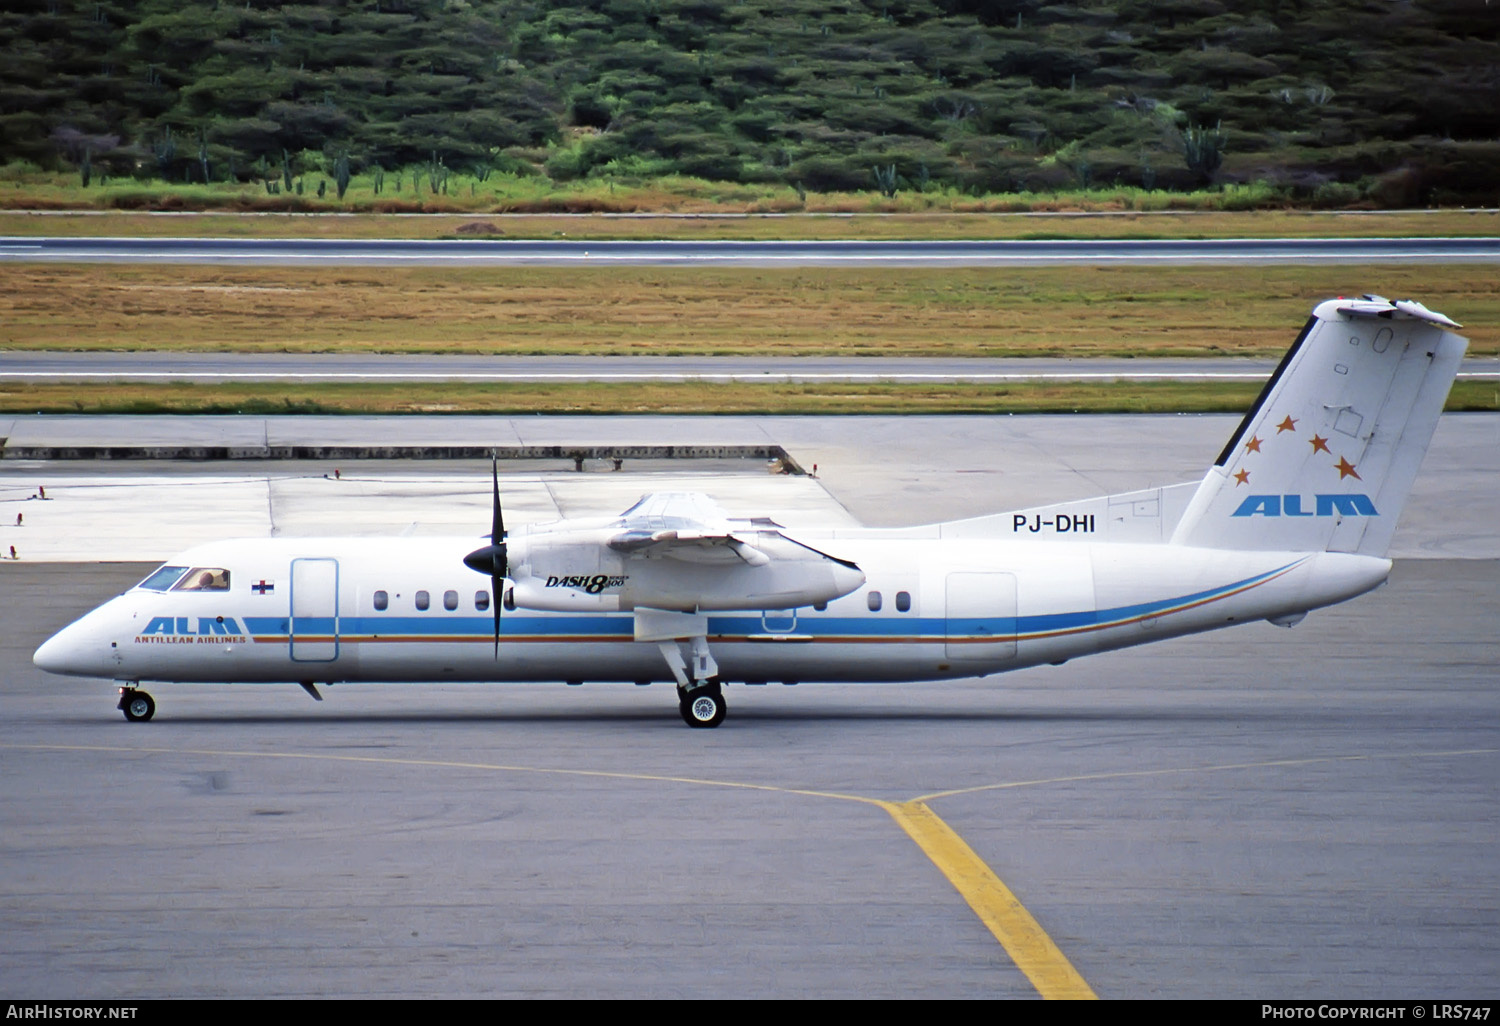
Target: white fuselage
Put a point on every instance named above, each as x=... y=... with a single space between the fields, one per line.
x=306 y=610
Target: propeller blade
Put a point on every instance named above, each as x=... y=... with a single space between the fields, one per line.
x=497 y=522
x=499 y=585
x=494 y=558
x=500 y=564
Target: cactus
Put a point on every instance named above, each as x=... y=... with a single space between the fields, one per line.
x=885 y=179
x=1203 y=149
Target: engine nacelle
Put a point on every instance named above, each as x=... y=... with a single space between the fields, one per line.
x=578 y=574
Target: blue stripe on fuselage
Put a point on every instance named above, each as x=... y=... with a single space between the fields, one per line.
x=615 y=626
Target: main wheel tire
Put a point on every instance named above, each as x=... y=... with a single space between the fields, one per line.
x=704 y=708
x=138 y=707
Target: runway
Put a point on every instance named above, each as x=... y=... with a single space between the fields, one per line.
x=1258 y=813
x=829 y=253
x=162 y=366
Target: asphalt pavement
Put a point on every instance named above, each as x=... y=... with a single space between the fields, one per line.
x=21 y=365
x=821 y=253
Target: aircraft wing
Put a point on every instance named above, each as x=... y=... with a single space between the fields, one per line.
x=689 y=544
x=692 y=528
x=685 y=526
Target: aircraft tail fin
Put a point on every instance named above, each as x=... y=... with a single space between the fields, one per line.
x=1325 y=458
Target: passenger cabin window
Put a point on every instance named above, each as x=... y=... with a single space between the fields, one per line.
x=163 y=578
x=874 y=601
x=422 y=600
x=481 y=600
x=204 y=578
x=382 y=601
x=450 y=600
x=510 y=600
x=903 y=601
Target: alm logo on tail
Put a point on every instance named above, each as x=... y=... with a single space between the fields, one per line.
x=1355 y=505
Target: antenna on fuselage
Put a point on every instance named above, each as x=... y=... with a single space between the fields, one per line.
x=494 y=558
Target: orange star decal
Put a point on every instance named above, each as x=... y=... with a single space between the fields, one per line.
x=1241 y=477
x=1286 y=425
x=1346 y=469
x=1253 y=445
x=1320 y=444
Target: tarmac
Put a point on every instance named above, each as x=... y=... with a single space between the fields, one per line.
x=1258 y=813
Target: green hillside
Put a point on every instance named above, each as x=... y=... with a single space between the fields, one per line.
x=1375 y=103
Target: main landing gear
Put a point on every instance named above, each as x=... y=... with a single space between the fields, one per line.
x=703 y=706
x=137 y=706
x=700 y=697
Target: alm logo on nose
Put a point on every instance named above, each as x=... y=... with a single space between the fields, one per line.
x=208 y=626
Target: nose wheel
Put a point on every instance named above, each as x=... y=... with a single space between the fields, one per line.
x=137 y=706
x=703 y=706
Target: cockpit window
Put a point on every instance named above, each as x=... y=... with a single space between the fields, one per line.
x=163 y=578
x=204 y=578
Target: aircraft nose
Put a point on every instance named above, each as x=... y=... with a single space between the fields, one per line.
x=75 y=650
x=54 y=654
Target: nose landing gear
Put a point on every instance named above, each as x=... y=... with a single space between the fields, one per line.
x=137 y=706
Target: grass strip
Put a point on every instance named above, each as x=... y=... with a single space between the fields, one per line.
x=1118 y=311
x=657 y=398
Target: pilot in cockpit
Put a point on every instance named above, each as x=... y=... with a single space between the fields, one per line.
x=205 y=579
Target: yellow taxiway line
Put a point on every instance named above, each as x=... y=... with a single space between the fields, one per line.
x=1018 y=932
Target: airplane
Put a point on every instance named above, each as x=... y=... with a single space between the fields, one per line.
x=1296 y=513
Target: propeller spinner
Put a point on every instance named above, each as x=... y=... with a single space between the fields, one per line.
x=494 y=558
